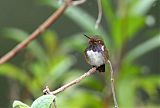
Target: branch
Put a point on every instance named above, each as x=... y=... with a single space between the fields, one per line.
x=112 y=85
x=52 y=19
x=90 y=72
x=99 y=14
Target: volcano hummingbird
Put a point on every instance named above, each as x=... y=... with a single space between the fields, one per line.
x=96 y=53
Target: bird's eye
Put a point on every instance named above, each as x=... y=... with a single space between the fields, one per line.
x=99 y=41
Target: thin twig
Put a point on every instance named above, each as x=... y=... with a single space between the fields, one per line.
x=78 y=2
x=112 y=85
x=77 y=80
x=99 y=14
x=91 y=71
x=52 y=19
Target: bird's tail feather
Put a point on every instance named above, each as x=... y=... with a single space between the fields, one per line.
x=101 y=68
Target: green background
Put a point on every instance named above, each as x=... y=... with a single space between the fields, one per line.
x=130 y=29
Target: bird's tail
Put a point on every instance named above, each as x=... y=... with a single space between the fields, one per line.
x=101 y=68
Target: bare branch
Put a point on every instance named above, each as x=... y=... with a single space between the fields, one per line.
x=77 y=80
x=112 y=85
x=99 y=14
x=90 y=72
x=52 y=19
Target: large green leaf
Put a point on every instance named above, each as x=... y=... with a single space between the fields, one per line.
x=129 y=70
x=44 y=101
x=143 y=48
x=108 y=11
x=50 y=42
x=19 y=104
x=76 y=42
x=19 y=36
x=124 y=28
x=141 y=7
x=125 y=93
x=14 y=72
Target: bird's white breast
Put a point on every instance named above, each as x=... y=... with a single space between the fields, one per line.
x=95 y=58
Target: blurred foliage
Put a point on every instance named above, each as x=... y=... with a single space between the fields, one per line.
x=50 y=62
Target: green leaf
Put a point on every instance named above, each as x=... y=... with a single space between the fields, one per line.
x=39 y=70
x=19 y=36
x=134 y=25
x=19 y=104
x=148 y=83
x=44 y=101
x=141 y=7
x=76 y=42
x=129 y=70
x=50 y=41
x=125 y=93
x=14 y=72
x=116 y=31
x=143 y=48
x=108 y=11
x=125 y=28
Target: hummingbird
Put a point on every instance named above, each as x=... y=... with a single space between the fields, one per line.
x=96 y=54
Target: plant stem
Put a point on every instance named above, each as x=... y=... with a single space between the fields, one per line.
x=99 y=14
x=112 y=85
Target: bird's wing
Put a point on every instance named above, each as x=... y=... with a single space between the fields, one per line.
x=106 y=54
x=86 y=57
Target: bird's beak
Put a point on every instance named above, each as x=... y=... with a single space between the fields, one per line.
x=86 y=36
